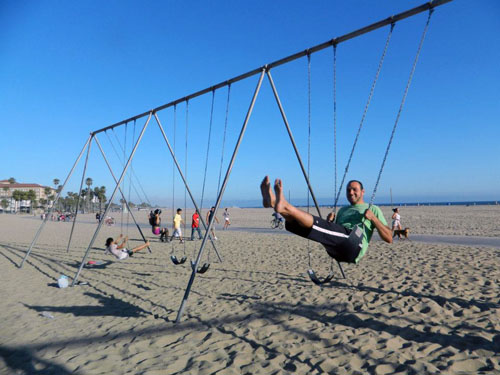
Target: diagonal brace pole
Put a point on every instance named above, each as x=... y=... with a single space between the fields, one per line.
x=219 y=198
x=121 y=192
x=99 y=226
x=185 y=182
x=79 y=194
x=283 y=115
x=55 y=201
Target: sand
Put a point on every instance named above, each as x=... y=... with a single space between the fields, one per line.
x=407 y=308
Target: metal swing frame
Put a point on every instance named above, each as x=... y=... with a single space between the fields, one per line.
x=261 y=71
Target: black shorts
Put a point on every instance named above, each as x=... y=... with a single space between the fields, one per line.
x=334 y=237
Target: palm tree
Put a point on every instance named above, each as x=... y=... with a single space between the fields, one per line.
x=56 y=185
x=47 y=192
x=100 y=193
x=88 y=182
x=17 y=195
x=12 y=181
x=73 y=199
x=31 y=196
x=6 y=190
x=4 y=203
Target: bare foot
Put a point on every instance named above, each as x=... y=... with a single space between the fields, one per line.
x=280 y=197
x=268 y=198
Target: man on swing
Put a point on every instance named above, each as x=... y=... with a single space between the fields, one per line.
x=346 y=239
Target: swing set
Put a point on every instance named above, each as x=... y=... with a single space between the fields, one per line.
x=261 y=72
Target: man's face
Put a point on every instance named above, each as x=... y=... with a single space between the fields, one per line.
x=354 y=193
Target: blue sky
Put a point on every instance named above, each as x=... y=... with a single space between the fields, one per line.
x=68 y=68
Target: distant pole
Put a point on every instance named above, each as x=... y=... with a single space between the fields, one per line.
x=289 y=200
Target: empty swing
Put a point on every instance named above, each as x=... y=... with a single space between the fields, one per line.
x=173 y=257
x=206 y=265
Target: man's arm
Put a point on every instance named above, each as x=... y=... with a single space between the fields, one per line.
x=383 y=230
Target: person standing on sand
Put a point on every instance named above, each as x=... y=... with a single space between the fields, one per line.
x=210 y=215
x=344 y=240
x=226 y=219
x=195 y=225
x=396 y=220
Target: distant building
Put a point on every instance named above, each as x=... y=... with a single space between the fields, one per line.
x=7 y=189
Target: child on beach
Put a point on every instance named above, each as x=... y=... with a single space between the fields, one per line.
x=396 y=220
x=119 y=250
x=344 y=239
x=177 y=226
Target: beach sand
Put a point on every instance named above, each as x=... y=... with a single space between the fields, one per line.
x=407 y=308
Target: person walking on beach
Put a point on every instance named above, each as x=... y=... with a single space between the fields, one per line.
x=226 y=219
x=210 y=215
x=346 y=239
x=195 y=225
x=177 y=226
x=119 y=250
x=396 y=220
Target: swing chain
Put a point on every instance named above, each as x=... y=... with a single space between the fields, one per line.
x=410 y=78
x=335 y=119
x=308 y=141
x=372 y=89
x=224 y=137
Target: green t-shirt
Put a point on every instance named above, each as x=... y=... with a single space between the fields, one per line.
x=350 y=216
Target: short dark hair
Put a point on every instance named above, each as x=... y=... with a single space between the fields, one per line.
x=179 y=209
x=109 y=241
x=359 y=182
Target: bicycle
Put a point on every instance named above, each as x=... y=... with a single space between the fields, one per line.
x=275 y=223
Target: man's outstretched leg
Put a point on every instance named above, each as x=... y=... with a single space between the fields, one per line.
x=304 y=224
x=268 y=199
x=281 y=205
x=287 y=210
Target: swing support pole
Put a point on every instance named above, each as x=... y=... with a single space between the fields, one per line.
x=185 y=182
x=87 y=144
x=79 y=194
x=219 y=198
x=99 y=226
x=335 y=41
x=120 y=189
x=283 y=115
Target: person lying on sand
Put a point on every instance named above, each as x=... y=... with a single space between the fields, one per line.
x=346 y=239
x=119 y=250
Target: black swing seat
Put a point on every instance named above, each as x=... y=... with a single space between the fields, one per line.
x=177 y=261
x=202 y=269
x=348 y=250
x=316 y=280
